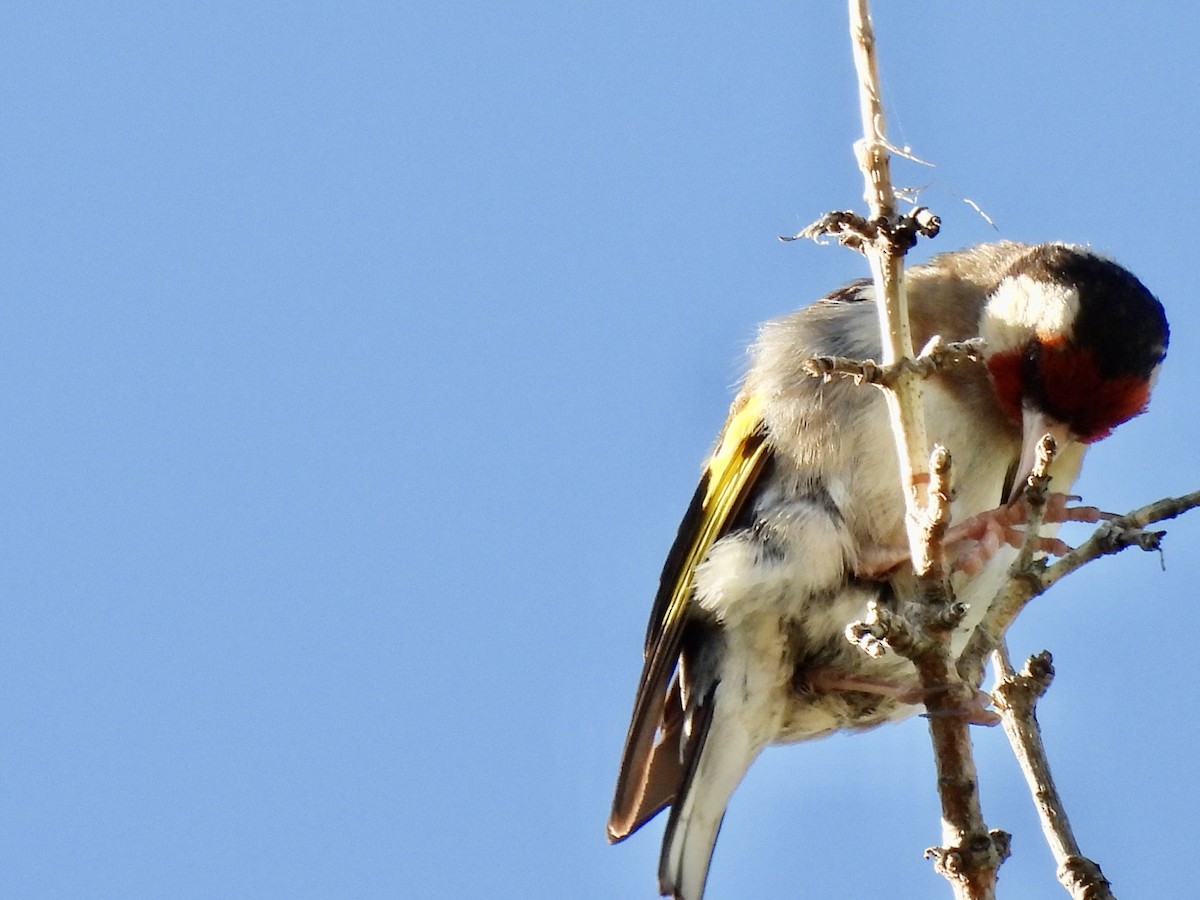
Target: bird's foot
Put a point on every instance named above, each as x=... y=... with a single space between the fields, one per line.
x=974 y=542
x=973 y=705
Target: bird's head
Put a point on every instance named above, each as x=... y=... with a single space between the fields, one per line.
x=1074 y=344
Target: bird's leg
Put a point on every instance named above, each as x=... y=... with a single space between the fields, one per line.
x=878 y=563
x=974 y=708
x=974 y=542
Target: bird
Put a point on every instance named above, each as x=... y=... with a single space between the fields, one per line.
x=777 y=552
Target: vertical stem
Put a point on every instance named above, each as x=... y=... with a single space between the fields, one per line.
x=872 y=152
x=970 y=859
x=905 y=406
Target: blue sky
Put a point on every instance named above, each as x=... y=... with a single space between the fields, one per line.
x=357 y=361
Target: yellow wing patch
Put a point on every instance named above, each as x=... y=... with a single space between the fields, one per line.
x=731 y=469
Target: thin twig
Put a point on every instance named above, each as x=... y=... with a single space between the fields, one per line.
x=937 y=517
x=937 y=356
x=856 y=232
x=1124 y=531
x=1016 y=697
x=1036 y=577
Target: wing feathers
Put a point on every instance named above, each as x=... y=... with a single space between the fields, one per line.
x=652 y=772
x=664 y=773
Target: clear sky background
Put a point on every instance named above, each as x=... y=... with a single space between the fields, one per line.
x=356 y=363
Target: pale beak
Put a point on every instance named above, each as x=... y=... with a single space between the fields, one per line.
x=1034 y=425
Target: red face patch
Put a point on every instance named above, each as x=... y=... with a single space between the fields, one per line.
x=1093 y=405
x=1065 y=382
x=1006 y=375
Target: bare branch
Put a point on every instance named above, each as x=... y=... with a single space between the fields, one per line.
x=972 y=854
x=937 y=356
x=885 y=248
x=1035 y=493
x=1029 y=578
x=1124 y=531
x=858 y=233
x=921 y=631
x=937 y=517
x=1016 y=697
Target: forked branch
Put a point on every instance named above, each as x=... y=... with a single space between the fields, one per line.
x=921 y=632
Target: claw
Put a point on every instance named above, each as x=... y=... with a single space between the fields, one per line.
x=1057 y=510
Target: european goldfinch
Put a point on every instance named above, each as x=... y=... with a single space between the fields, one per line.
x=746 y=645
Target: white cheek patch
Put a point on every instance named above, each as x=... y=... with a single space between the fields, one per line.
x=1021 y=305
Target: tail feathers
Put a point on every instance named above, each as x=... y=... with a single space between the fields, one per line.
x=718 y=767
